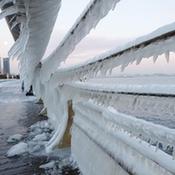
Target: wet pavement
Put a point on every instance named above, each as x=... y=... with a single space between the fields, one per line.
x=17 y=113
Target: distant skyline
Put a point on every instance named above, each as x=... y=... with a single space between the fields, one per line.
x=6 y=65
x=129 y=20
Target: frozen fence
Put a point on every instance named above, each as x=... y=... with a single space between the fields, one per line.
x=96 y=120
x=145 y=98
x=130 y=152
x=150 y=46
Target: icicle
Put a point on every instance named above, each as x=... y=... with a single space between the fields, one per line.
x=157 y=146
x=138 y=61
x=103 y=71
x=110 y=71
x=11 y=19
x=14 y=48
x=27 y=4
x=150 y=142
x=164 y=146
x=155 y=58
x=122 y=69
x=8 y=11
x=18 y=20
x=167 y=56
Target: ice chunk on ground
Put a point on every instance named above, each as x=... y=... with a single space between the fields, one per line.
x=47 y=165
x=40 y=137
x=17 y=149
x=14 y=138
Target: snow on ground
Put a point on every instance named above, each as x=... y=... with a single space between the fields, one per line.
x=38 y=134
x=37 y=138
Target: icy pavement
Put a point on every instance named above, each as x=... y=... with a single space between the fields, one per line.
x=10 y=92
x=23 y=135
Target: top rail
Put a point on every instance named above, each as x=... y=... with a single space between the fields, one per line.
x=87 y=20
x=161 y=41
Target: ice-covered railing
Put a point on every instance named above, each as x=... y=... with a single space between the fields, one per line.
x=93 y=13
x=36 y=20
x=117 y=134
x=161 y=41
x=156 y=99
x=36 y=23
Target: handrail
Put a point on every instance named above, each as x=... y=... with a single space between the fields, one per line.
x=79 y=30
x=146 y=46
x=154 y=103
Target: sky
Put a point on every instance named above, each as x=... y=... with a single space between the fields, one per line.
x=129 y=20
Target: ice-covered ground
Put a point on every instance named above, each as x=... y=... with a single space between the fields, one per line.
x=10 y=92
x=38 y=136
x=60 y=161
x=39 y=133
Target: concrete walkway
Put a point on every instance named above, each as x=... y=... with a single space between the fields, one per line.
x=15 y=118
x=17 y=113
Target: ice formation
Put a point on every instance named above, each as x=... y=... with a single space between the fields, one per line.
x=94 y=12
x=136 y=127
x=122 y=56
x=151 y=97
x=55 y=88
x=18 y=149
x=35 y=26
x=34 y=144
x=14 y=138
x=97 y=125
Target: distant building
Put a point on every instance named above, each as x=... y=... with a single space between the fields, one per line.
x=0 y=66
x=6 y=66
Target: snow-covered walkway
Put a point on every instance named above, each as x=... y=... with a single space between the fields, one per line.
x=16 y=116
x=17 y=113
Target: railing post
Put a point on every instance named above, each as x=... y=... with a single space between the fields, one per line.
x=66 y=140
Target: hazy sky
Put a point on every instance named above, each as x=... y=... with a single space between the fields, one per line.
x=129 y=20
